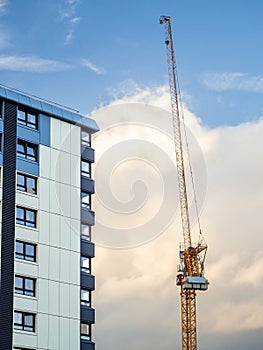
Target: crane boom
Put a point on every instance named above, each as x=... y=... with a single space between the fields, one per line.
x=191 y=269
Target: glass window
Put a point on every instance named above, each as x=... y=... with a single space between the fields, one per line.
x=26 y=217
x=85 y=200
x=25 y=251
x=27 y=150
x=85 y=138
x=85 y=168
x=85 y=264
x=86 y=297
x=26 y=183
x=85 y=331
x=27 y=118
x=25 y=286
x=24 y=321
x=86 y=232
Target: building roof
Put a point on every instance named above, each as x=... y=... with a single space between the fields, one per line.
x=50 y=108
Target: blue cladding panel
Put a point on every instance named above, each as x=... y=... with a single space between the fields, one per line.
x=35 y=104
x=2 y=92
x=27 y=166
x=44 y=127
x=1 y=158
x=11 y=95
x=28 y=134
x=1 y=126
x=25 y=100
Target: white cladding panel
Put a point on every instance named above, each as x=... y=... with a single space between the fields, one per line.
x=57 y=235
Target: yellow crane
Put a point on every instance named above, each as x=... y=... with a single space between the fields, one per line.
x=190 y=277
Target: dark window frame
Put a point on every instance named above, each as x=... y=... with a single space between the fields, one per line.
x=86 y=336
x=24 y=187
x=84 y=141
x=84 y=268
x=24 y=290
x=84 y=204
x=23 y=148
x=23 y=326
x=84 y=301
x=86 y=173
x=25 y=221
x=86 y=237
x=24 y=255
x=26 y=120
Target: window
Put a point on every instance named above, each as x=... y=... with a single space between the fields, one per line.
x=86 y=232
x=25 y=251
x=85 y=200
x=27 y=118
x=27 y=150
x=1 y=109
x=85 y=264
x=26 y=217
x=26 y=183
x=85 y=139
x=24 y=321
x=85 y=297
x=85 y=331
x=25 y=286
x=85 y=168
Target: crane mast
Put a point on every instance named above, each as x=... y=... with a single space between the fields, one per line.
x=190 y=275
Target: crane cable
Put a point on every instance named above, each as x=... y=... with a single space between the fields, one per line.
x=188 y=150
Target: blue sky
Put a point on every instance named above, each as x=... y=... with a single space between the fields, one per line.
x=82 y=52
x=90 y=53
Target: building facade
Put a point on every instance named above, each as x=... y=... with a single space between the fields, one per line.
x=46 y=221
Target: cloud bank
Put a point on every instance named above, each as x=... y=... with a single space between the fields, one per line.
x=136 y=299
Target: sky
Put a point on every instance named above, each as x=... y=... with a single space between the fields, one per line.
x=107 y=60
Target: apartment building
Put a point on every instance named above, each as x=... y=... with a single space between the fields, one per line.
x=46 y=250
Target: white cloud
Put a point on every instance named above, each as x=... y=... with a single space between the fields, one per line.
x=75 y=20
x=233 y=81
x=68 y=15
x=3 y=6
x=31 y=64
x=135 y=295
x=87 y=63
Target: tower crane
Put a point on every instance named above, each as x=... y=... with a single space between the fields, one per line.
x=190 y=277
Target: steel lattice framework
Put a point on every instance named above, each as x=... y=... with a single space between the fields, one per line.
x=192 y=258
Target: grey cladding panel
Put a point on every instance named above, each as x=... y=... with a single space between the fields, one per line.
x=87 y=249
x=87 y=345
x=8 y=227
x=87 y=314
x=87 y=281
